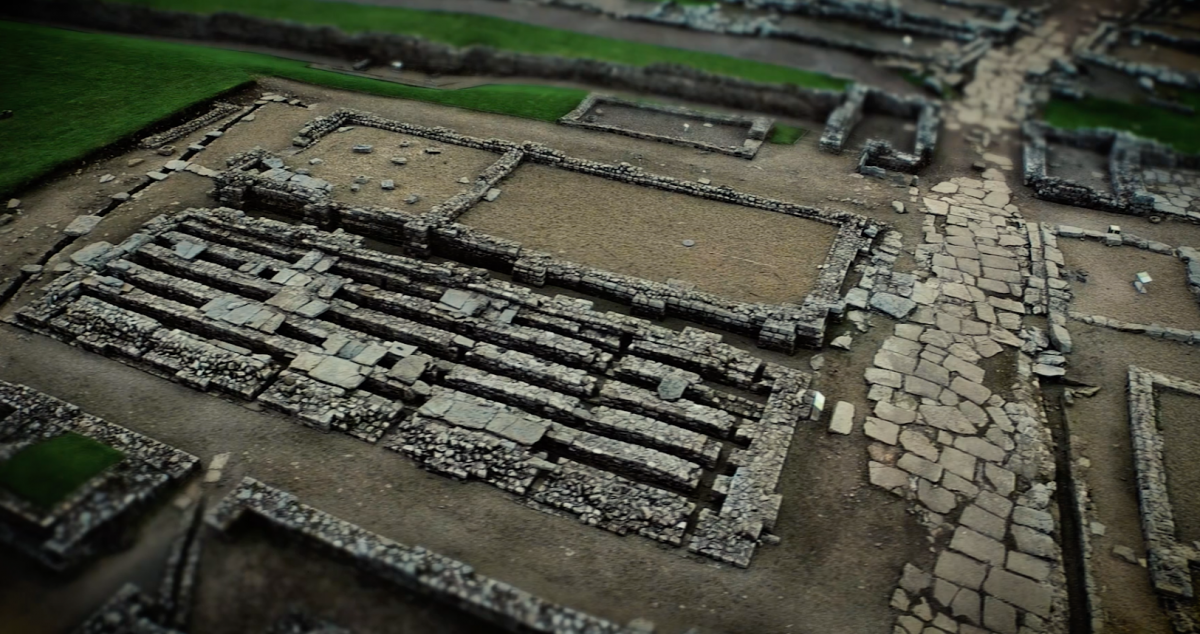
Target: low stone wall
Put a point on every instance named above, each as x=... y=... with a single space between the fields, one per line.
x=1128 y=194
x=879 y=156
x=1169 y=560
x=1095 y=49
x=423 y=55
x=781 y=327
x=756 y=128
x=219 y=111
x=84 y=524
x=412 y=567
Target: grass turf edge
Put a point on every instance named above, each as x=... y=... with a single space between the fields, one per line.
x=46 y=472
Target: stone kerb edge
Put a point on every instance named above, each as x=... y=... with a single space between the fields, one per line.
x=1168 y=559
x=756 y=127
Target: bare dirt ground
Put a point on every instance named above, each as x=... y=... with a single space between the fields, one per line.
x=1180 y=425
x=669 y=125
x=843 y=542
x=741 y=253
x=901 y=133
x=1083 y=166
x=253 y=578
x=432 y=177
x=1109 y=288
x=1156 y=54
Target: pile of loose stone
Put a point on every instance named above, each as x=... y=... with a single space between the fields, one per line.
x=600 y=415
x=976 y=463
x=412 y=567
x=68 y=534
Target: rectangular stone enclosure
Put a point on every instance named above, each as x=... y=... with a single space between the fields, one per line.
x=728 y=134
x=783 y=301
x=745 y=254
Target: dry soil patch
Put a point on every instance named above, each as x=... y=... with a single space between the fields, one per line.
x=1109 y=288
x=741 y=253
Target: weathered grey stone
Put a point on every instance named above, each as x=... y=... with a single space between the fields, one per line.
x=999 y=616
x=891 y=305
x=934 y=497
x=339 y=372
x=947 y=418
x=1033 y=518
x=919 y=444
x=410 y=368
x=881 y=430
x=984 y=522
x=1019 y=591
x=973 y=392
x=1034 y=542
x=917 y=465
x=960 y=570
x=966 y=605
x=914 y=580
x=958 y=462
x=978 y=546
x=1032 y=567
x=882 y=475
x=842 y=420
x=673 y=385
x=884 y=377
x=894 y=414
x=82 y=225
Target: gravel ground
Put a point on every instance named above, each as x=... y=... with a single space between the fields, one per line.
x=741 y=253
x=432 y=177
x=1109 y=288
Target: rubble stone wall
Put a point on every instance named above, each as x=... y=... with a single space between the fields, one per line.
x=412 y=567
x=780 y=327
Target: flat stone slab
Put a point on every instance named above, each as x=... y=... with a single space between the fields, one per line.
x=82 y=225
x=339 y=372
x=891 y=305
x=842 y=421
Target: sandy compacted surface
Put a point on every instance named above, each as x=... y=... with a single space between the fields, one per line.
x=741 y=253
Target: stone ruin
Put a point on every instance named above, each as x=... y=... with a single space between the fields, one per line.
x=256 y=179
x=604 y=416
x=86 y=523
x=585 y=115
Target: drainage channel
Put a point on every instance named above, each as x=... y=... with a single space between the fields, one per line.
x=1073 y=525
x=13 y=287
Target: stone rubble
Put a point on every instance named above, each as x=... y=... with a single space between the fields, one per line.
x=469 y=376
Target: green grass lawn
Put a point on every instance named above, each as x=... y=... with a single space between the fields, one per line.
x=73 y=93
x=1177 y=130
x=45 y=473
x=460 y=29
x=785 y=134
